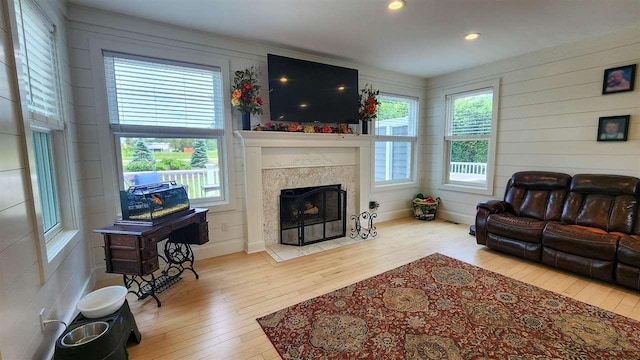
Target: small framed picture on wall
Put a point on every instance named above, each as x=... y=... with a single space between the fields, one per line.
x=613 y=128
x=619 y=79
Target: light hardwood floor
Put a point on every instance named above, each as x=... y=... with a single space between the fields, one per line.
x=214 y=317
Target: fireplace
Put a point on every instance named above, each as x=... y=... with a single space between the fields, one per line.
x=312 y=214
x=276 y=160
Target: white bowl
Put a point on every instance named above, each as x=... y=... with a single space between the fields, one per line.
x=102 y=302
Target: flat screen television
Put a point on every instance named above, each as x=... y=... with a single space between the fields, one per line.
x=306 y=92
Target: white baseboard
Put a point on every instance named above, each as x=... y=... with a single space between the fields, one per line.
x=217 y=249
x=255 y=247
x=392 y=215
x=100 y=274
x=456 y=217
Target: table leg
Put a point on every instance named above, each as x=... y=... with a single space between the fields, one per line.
x=143 y=287
x=179 y=258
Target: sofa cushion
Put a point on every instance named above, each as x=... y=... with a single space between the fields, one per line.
x=540 y=180
x=607 y=202
x=537 y=194
x=581 y=240
x=516 y=227
x=629 y=250
x=523 y=249
x=599 y=269
x=605 y=184
x=636 y=223
x=628 y=276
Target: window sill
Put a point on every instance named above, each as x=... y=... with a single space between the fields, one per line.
x=214 y=206
x=58 y=249
x=467 y=189
x=394 y=186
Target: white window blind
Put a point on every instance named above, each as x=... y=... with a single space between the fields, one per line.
x=36 y=36
x=470 y=114
x=46 y=180
x=397 y=116
x=150 y=94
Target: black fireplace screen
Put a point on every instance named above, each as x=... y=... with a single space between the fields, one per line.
x=314 y=214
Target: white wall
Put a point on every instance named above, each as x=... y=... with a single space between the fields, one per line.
x=90 y=26
x=22 y=294
x=550 y=102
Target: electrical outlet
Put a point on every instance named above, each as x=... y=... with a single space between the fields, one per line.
x=42 y=319
x=225 y=226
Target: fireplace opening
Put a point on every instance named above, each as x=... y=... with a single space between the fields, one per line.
x=312 y=214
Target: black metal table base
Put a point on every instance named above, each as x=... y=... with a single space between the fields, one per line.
x=363 y=225
x=178 y=257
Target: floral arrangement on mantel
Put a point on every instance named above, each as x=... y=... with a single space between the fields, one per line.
x=245 y=93
x=368 y=103
x=305 y=128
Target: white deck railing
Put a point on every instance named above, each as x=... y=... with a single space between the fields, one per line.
x=199 y=182
x=468 y=168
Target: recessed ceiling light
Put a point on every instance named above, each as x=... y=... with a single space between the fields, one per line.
x=284 y=79
x=397 y=4
x=341 y=88
x=303 y=105
x=472 y=36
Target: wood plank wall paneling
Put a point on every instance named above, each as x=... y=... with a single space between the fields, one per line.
x=548 y=116
x=22 y=294
x=85 y=23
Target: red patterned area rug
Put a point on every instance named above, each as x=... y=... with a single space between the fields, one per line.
x=441 y=308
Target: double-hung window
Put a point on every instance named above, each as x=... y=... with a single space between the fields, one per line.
x=469 y=140
x=47 y=141
x=167 y=117
x=41 y=93
x=395 y=140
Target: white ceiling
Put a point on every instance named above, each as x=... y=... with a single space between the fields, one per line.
x=425 y=38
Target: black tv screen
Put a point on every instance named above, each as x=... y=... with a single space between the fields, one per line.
x=305 y=91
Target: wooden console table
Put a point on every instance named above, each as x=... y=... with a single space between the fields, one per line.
x=132 y=250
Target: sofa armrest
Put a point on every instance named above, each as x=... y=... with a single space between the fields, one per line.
x=495 y=206
x=484 y=210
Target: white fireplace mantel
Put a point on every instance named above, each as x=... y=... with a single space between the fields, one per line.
x=319 y=147
x=299 y=139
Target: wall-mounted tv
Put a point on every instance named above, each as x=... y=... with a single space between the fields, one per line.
x=305 y=91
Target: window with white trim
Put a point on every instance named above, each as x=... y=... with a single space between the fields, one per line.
x=469 y=140
x=41 y=93
x=47 y=141
x=395 y=139
x=167 y=117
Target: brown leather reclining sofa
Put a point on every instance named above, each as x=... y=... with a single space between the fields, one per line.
x=588 y=224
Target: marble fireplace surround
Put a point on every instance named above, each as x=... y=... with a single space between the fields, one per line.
x=272 y=155
x=302 y=177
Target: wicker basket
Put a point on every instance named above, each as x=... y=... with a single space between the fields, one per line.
x=424 y=209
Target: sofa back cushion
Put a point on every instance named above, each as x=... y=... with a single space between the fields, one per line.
x=537 y=194
x=608 y=202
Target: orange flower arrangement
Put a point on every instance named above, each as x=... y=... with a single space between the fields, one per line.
x=306 y=128
x=368 y=103
x=293 y=127
x=245 y=93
